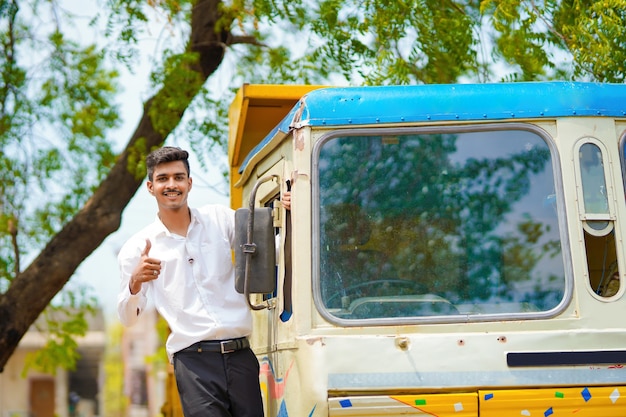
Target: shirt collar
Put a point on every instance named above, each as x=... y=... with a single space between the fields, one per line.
x=160 y=229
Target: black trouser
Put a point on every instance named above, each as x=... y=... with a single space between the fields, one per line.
x=215 y=384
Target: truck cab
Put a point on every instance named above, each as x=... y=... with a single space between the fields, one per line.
x=451 y=250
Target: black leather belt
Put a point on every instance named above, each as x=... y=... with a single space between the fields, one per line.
x=221 y=346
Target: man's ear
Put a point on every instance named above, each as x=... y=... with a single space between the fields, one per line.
x=150 y=187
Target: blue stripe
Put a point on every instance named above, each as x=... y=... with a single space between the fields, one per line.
x=519 y=378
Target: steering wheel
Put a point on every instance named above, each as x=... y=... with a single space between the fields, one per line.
x=368 y=288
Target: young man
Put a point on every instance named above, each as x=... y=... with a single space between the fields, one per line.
x=183 y=260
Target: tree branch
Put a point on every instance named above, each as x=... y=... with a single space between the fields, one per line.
x=246 y=39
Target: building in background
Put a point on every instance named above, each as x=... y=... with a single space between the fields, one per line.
x=145 y=369
x=65 y=394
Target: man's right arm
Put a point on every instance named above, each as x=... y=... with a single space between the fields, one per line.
x=129 y=306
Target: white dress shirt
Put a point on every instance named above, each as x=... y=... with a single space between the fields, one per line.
x=195 y=290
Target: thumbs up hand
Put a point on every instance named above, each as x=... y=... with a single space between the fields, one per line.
x=146 y=270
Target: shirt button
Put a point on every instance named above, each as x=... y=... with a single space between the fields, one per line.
x=191 y=260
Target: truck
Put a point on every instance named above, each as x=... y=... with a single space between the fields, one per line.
x=450 y=250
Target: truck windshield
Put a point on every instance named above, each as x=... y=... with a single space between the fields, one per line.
x=438 y=224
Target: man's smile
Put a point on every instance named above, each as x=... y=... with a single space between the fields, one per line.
x=172 y=193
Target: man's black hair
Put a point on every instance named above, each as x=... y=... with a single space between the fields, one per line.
x=166 y=154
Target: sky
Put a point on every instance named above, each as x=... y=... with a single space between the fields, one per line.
x=99 y=272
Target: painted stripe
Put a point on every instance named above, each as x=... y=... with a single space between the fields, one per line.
x=584 y=375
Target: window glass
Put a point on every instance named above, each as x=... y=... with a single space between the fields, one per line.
x=438 y=225
x=592 y=174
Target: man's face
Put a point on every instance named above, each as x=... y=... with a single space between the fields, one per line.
x=170 y=185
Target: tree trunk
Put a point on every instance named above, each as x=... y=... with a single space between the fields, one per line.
x=33 y=289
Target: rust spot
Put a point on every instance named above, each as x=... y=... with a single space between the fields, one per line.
x=460 y=342
x=297 y=135
x=502 y=339
x=402 y=343
x=298 y=140
x=314 y=340
x=297 y=117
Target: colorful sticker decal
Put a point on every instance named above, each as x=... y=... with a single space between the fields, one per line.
x=614 y=395
x=536 y=402
x=554 y=402
x=345 y=403
x=442 y=405
x=274 y=388
x=282 y=412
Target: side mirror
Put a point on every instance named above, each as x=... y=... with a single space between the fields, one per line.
x=255 y=252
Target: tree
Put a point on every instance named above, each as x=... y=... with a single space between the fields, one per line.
x=84 y=214
x=62 y=186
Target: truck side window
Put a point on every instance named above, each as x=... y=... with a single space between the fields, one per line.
x=598 y=224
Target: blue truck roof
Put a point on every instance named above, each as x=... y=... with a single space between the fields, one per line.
x=371 y=105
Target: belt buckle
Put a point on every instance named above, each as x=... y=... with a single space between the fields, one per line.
x=223 y=347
